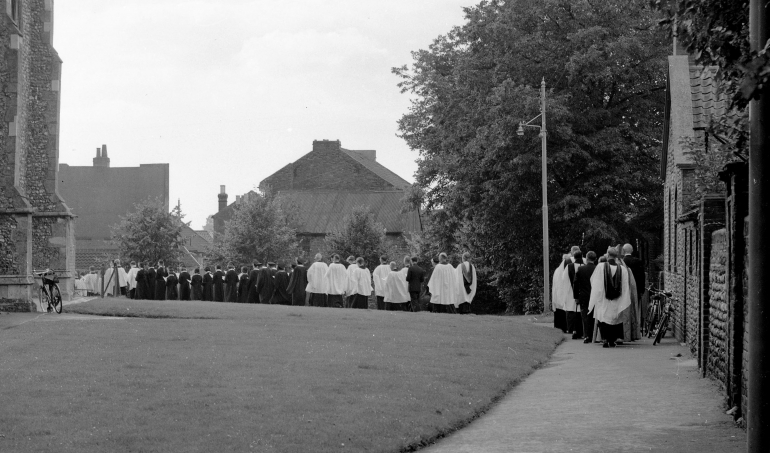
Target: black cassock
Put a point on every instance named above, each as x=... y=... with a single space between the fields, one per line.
x=184 y=286
x=281 y=295
x=150 y=284
x=265 y=285
x=197 y=287
x=141 y=284
x=208 y=287
x=219 y=286
x=297 y=285
x=160 y=283
x=231 y=286
x=252 y=296
x=171 y=292
x=243 y=288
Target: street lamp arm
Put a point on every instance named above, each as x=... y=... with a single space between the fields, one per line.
x=528 y=123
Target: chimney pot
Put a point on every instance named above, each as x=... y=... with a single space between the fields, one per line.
x=98 y=152
x=104 y=150
x=221 y=189
x=222 y=198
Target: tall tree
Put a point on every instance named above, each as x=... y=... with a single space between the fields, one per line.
x=604 y=63
x=150 y=233
x=360 y=235
x=261 y=228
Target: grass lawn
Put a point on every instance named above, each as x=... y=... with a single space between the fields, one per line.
x=205 y=377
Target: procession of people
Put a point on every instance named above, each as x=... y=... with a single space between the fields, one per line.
x=598 y=299
x=338 y=284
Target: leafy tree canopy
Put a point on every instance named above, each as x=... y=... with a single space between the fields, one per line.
x=150 y=233
x=360 y=236
x=261 y=228
x=604 y=63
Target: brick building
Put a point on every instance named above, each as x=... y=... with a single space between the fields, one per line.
x=326 y=184
x=705 y=254
x=99 y=195
x=36 y=230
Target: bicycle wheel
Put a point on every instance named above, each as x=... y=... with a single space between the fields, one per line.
x=56 y=298
x=662 y=328
x=651 y=320
x=45 y=301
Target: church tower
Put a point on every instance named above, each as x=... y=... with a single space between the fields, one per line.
x=36 y=228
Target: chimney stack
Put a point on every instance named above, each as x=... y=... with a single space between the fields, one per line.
x=101 y=159
x=222 y=198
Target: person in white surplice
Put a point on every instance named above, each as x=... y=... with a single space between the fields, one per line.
x=610 y=296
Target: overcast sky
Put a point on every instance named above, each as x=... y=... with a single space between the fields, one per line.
x=229 y=91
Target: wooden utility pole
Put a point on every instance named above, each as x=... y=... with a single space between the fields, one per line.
x=758 y=406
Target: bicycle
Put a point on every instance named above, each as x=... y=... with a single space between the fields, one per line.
x=654 y=311
x=668 y=308
x=49 y=291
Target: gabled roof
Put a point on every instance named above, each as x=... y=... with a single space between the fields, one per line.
x=324 y=212
x=362 y=157
x=692 y=99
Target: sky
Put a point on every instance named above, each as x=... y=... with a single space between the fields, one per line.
x=229 y=91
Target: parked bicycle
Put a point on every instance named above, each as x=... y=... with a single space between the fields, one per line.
x=50 y=295
x=654 y=311
x=666 y=308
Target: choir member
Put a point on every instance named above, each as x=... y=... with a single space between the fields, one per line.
x=243 y=285
x=336 y=282
x=208 y=285
x=466 y=279
x=253 y=297
x=379 y=275
x=443 y=286
x=396 y=289
x=131 y=280
x=219 y=284
x=362 y=288
x=171 y=282
x=281 y=295
x=316 y=284
x=184 y=285
x=610 y=296
x=196 y=283
x=160 y=281
x=298 y=283
x=265 y=284
x=140 y=281
x=231 y=284
x=151 y=273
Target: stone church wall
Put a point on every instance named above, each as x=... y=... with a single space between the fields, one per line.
x=35 y=224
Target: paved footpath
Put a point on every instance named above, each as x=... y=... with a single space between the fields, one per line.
x=636 y=397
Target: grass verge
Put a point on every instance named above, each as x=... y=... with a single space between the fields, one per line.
x=231 y=377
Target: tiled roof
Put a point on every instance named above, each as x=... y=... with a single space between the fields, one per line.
x=192 y=240
x=323 y=212
x=376 y=168
x=707 y=103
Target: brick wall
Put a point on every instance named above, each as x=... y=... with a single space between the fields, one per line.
x=326 y=168
x=717 y=363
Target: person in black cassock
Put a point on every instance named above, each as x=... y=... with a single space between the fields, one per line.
x=243 y=285
x=582 y=291
x=219 y=285
x=281 y=279
x=231 y=284
x=265 y=284
x=298 y=283
x=184 y=285
x=150 y=285
x=196 y=282
x=141 y=282
x=208 y=285
x=415 y=276
x=171 y=282
x=253 y=296
x=160 y=281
